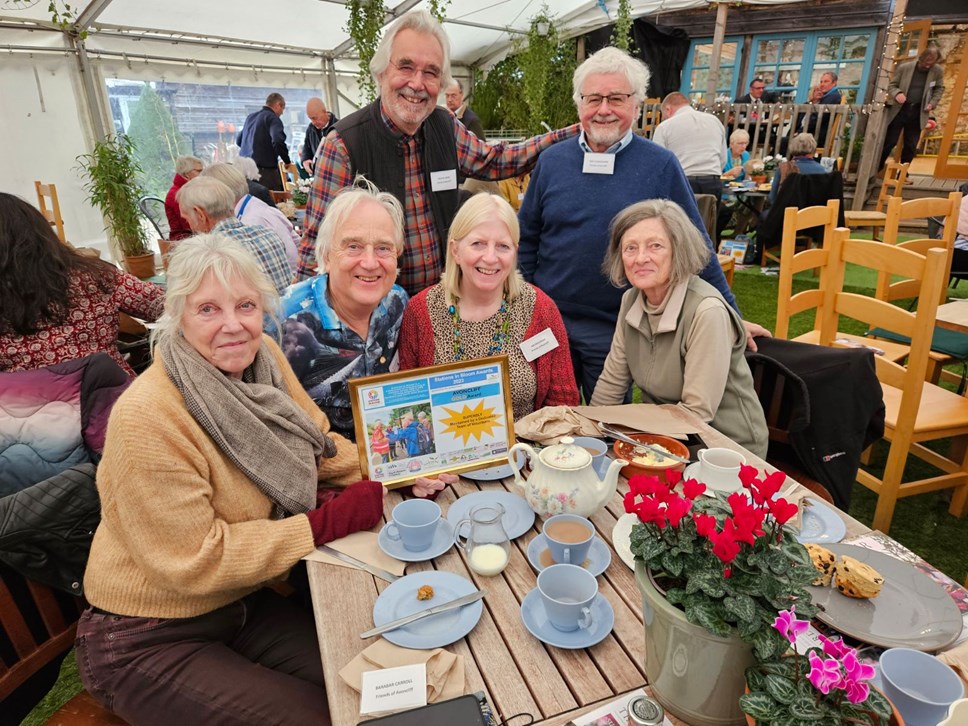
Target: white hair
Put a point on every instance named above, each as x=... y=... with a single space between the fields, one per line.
x=248 y=167
x=419 y=21
x=612 y=60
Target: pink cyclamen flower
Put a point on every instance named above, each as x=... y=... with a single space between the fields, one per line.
x=856 y=675
x=824 y=673
x=788 y=626
x=834 y=648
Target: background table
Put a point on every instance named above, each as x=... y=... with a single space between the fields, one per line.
x=519 y=673
x=953 y=316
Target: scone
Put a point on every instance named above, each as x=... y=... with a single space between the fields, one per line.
x=824 y=560
x=857 y=579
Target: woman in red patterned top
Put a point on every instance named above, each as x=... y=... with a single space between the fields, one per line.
x=57 y=305
x=483 y=307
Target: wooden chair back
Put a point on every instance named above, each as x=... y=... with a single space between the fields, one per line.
x=651 y=115
x=895 y=177
x=49 y=206
x=837 y=116
x=791 y=262
x=279 y=197
x=289 y=175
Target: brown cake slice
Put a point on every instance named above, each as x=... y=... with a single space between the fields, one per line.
x=857 y=579
x=824 y=560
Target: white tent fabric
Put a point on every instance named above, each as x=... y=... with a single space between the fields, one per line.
x=50 y=96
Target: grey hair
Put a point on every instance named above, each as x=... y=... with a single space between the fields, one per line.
x=247 y=166
x=612 y=60
x=231 y=177
x=803 y=145
x=832 y=74
x=690 y=253
x=455 y=82
x=419 y=21
x=208 y=194
x=191 y=260
x=739 y=135
x=184 y=164
x=933 y=51
x=343 y=205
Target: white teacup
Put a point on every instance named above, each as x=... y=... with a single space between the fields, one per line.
x=414 y=523
x=719 y=469
x=567 y=592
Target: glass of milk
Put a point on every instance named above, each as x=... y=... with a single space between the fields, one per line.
x=487 y=546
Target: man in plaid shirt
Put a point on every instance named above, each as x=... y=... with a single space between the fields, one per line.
x=208 y=205
x=408 y=146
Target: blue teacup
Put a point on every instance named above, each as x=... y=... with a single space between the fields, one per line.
x=920 y=685
x=414 y=523
x=567 y=592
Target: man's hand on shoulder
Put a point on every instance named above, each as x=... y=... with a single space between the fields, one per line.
x=754 y=330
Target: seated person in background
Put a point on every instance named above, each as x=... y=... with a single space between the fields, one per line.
x=186 y=169
x=182 y=629
x=758 y=93
x=209 y=206
x=246 y=165
x=735 y=170
x=826 y=93
x=252 y=211
x=676 y=337
x=483 y=307
x=737 y=155
x=55 y=304
x=801 y=161
x=513 y=190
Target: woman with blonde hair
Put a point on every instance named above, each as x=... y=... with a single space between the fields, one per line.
x=483 y=307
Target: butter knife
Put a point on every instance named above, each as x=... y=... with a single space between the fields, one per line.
x=608 y=431
x=443 y=607
x=375 y=571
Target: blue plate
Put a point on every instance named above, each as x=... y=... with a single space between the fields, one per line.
x=821 y=524
x=435 y=631
x=537 y=623
x=518 y=516
x=443 y=541
x=599 y=556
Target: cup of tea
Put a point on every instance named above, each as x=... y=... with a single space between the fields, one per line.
x=921 y=686
x=596 y=447
x=719 y=469
x=567 y=592
x=569 y=537
x=414 y=523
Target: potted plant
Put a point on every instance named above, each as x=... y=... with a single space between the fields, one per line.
x=713 y=572
x=112 y=185
x=827 y=685
x=300 y=194
x=770 y=164
x=757 y=170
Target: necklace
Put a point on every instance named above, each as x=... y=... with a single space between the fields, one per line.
x=497 y=339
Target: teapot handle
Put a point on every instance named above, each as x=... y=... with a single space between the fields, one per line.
x=513 y=461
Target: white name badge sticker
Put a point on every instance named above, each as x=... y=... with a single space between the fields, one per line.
x=442 y=181
x=537 y=345
x=598 y=163
x=393 y=689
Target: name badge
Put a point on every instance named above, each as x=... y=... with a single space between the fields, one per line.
x=392 y=689
x=598 y=163
x=521 y=196
x=442 y=181
x=537 y=345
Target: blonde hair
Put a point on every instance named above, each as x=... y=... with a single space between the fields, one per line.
x=477 y=210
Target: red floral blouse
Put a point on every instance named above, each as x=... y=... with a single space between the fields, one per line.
x=91 y=324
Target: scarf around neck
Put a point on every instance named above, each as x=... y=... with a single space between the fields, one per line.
x=254 y=422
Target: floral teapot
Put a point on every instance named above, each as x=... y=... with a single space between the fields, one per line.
x=563 y=480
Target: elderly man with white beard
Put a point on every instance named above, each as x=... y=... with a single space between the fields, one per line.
x=577 y=189
x=411 y=148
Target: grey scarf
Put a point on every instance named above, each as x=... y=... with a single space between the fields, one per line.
x=254 y=422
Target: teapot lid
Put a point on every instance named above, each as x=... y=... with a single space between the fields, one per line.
x=566 y=454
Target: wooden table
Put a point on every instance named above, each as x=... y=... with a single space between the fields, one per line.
x=516 y=671
x=953 y=316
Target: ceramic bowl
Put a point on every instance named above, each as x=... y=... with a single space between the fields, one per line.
x=625 y=451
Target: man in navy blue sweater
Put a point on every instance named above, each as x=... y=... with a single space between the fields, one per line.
x=577 y=188
x=263 y=137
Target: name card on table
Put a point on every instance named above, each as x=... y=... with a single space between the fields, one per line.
x=394 y=689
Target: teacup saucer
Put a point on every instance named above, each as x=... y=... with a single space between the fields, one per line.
x=536 y=621
x=443 y=541
x=598 y=560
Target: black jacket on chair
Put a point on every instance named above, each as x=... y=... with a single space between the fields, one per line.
x=800 y=191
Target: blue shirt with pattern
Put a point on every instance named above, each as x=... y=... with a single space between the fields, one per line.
x=325 y=353
x=269 y=250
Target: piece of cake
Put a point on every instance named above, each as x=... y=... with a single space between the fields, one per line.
x=425 y=592
x=857 y=579
x=824 y=560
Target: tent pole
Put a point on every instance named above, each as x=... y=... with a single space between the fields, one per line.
x=713 y=81
x=332 y=95
x=91 y=97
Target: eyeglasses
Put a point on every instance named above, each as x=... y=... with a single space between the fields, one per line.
x=616 y=100
x=381 y=250
x=757 y=88
x=408 y=70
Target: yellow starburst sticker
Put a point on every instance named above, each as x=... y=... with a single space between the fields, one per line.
x=469 y=422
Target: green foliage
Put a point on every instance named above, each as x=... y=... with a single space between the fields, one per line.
x=158 y=141
x=112 y=184
x=364 y=24
x=438 y=8
x=622 y=32
x=63 y=17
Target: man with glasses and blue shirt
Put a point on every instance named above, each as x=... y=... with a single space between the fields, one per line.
x=576 y=190
x=411 y=148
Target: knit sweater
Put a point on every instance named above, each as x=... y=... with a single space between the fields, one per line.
x=565 y=217
x=183 y=531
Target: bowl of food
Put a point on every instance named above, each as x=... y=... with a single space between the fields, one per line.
x=648 y=462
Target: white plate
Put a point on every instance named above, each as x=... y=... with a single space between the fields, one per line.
x=492 y=473
x=621 y=539
x=692 y=472
x=434 y=631
x=598 y=560
x=518 y=516
x=536 y=621
x=821 y=524
x=443 y=540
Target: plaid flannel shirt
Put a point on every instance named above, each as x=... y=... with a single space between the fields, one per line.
x=420 y=266
x=269 y=250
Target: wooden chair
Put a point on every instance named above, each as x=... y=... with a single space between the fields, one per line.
x=279 y=197
x=153 y=209
x=51 y=213
x=832 y=132
x=651 y=115
x=895 y=175
x=289 y=175
x=916 y=411
x=39 y=625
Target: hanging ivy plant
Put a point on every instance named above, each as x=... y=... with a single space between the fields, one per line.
x=364 y=25
x=62 y=14
x=438 y=8
x=622 y=32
